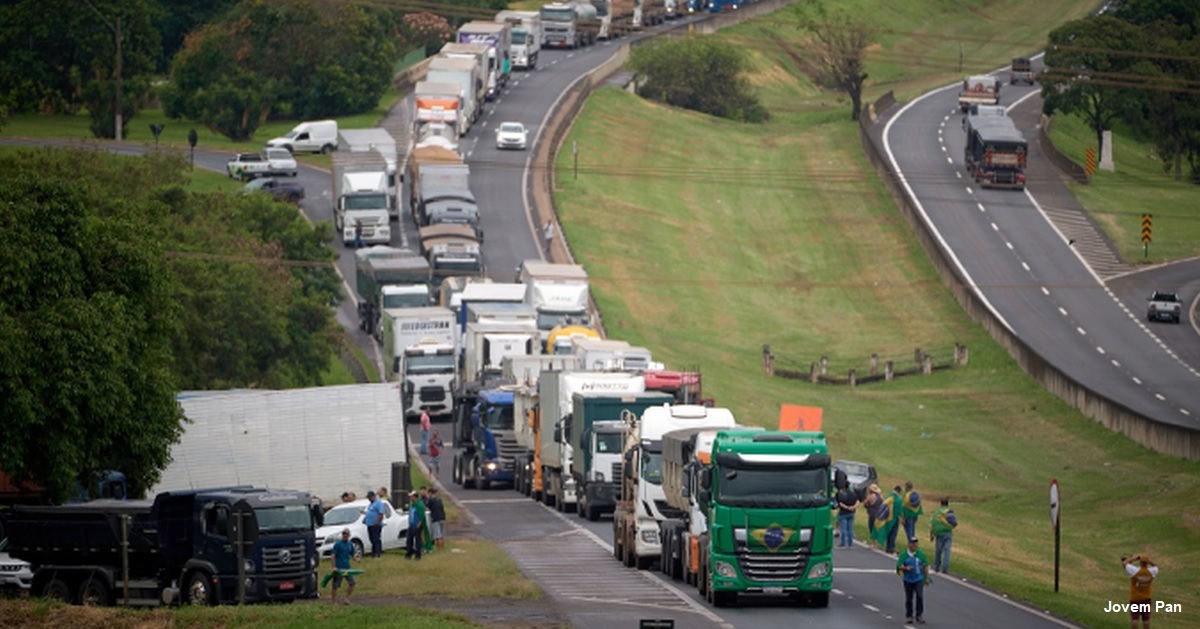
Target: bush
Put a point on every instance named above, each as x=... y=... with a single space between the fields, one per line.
x=698 y=74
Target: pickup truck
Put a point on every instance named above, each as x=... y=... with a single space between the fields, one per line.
x=1164 y=306
x=271 y=161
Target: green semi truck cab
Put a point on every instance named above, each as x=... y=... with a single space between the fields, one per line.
x=766 y=496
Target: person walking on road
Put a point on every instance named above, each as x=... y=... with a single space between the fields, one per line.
x=914 y=568
x=911 y=510
x=426 y=426
x=548 y=236
x=374 y=521
x=343 y=552
x=435 y=453
x=1142 y=573
x=358 y=229
x=941 y=533
x=847 y=500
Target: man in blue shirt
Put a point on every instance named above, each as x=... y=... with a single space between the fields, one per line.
x=343 y=551
x=914 y=567
x=374 y=521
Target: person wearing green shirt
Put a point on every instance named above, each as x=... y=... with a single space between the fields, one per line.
x=941 y=532
x=911 y=510
x=893 y=525
x=914 y=568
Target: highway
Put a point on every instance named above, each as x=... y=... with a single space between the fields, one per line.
x=1089 y=322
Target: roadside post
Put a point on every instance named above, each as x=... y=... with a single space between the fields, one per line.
x=157 y=129
x=191 y=141
x=1054 y=522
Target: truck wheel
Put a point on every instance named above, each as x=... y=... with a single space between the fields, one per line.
x=456 y=472
x=358 y=549
x=57 y=590
x=199 y=592
x=93 y=592
x=723 y=599
x=592 y=513
x=819 y=599
x=470 y=475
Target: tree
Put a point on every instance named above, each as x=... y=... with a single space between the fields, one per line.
x=60 y=56
x=298 y=58
x=697 y=73
x=1091 y=70
x=838 y=48
x=86 y=322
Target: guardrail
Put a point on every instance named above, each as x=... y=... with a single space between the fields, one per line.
x=1165 y=438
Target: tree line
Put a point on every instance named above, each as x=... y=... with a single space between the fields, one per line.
x=118 y=289
x=229 y=64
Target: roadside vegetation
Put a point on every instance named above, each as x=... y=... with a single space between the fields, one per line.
x=706 y=239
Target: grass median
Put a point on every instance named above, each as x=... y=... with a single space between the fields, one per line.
x=705 y=240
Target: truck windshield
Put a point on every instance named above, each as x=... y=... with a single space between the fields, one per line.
x=652 y=467
x=411 y=300
x=283 y=518
x=441 y=363
x=608 y=442
x=499 y=417
x=550 y=320
x=558 y=15
x=774 y=487
x=366 y=202
x=518 y=37
x=460 y=265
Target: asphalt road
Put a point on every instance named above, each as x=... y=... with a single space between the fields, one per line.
x=1089 y=324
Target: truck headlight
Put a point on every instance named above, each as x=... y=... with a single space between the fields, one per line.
x=819 y=570
x=650 y=536
x=248 y=565
x=726 y=569
x=599 y=477
x=491 y=467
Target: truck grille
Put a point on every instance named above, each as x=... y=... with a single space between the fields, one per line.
x=616 y=472
x=508 y=449
x=432 y=394
x=772 y=567
x=288 y=559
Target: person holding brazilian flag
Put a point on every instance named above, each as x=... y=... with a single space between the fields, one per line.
x=887 y=521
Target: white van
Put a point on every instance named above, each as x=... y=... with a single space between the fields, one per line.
x=320 y=136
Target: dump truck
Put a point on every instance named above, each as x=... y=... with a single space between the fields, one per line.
x=419 y=344
x=641 y=504
x=981 y=89
x=996 y=152
x=387 y=277
x=752 y=516
x=437 y=103
x=570 y=25
x=526 y=37
x=203 y=547
x=363 y=197
x=453 y=250
x=596 y=430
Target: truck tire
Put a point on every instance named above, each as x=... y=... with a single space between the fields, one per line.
x=93 y=592
x=57 y=590
x=198 y=591
x=469 y=474
x=592 y=513
x=819 y=599
x=358 y=549
x=456 y=472
x=547 y=493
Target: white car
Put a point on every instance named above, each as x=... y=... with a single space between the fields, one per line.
x=351 y=515
x=15 y=575
x=511 y=135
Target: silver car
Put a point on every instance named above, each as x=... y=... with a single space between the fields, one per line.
x=512 y=135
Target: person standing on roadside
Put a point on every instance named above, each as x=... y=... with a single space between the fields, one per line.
x=343 y=552
x=1142 y=573
x=896 y=499
x=383 y=495
x=374 y=514
x=911 y=510
x=435 y=452
x=847 y=500
x=941 y=533
x=416 y=525
x=871 y=505
x=426 y=426
x=914 y=567
x=437 y=518
x=548 y=236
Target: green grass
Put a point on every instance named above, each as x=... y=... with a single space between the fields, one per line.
x=706 y=239
x=1139 y=185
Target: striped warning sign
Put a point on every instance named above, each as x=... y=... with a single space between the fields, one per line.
x=1147 y=224
x=1089 y=160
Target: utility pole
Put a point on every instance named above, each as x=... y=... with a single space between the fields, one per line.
x=116 y=29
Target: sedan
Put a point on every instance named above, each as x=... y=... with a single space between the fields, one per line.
x=512 y=135
x=351 y=515
x=281 y=189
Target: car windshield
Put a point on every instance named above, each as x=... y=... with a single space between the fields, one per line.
x=511 y=128
x=342 y=515
x=284 y=518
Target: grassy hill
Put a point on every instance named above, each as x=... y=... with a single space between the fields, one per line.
x=707 y=239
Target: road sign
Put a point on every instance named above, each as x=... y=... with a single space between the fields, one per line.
x=1054 y=504
x=1147 y=227
x=1089 y=160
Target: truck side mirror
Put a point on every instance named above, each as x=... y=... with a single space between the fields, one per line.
x=703 y=498
x=557 y=434
x=705 y=480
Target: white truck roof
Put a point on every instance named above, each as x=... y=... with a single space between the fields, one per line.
x=657 y=421
x=538 y=270
x=493 y=292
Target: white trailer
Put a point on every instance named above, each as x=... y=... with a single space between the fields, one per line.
x=471 y=84
x=559 y=292
x=323 y=440
x=526 y=37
